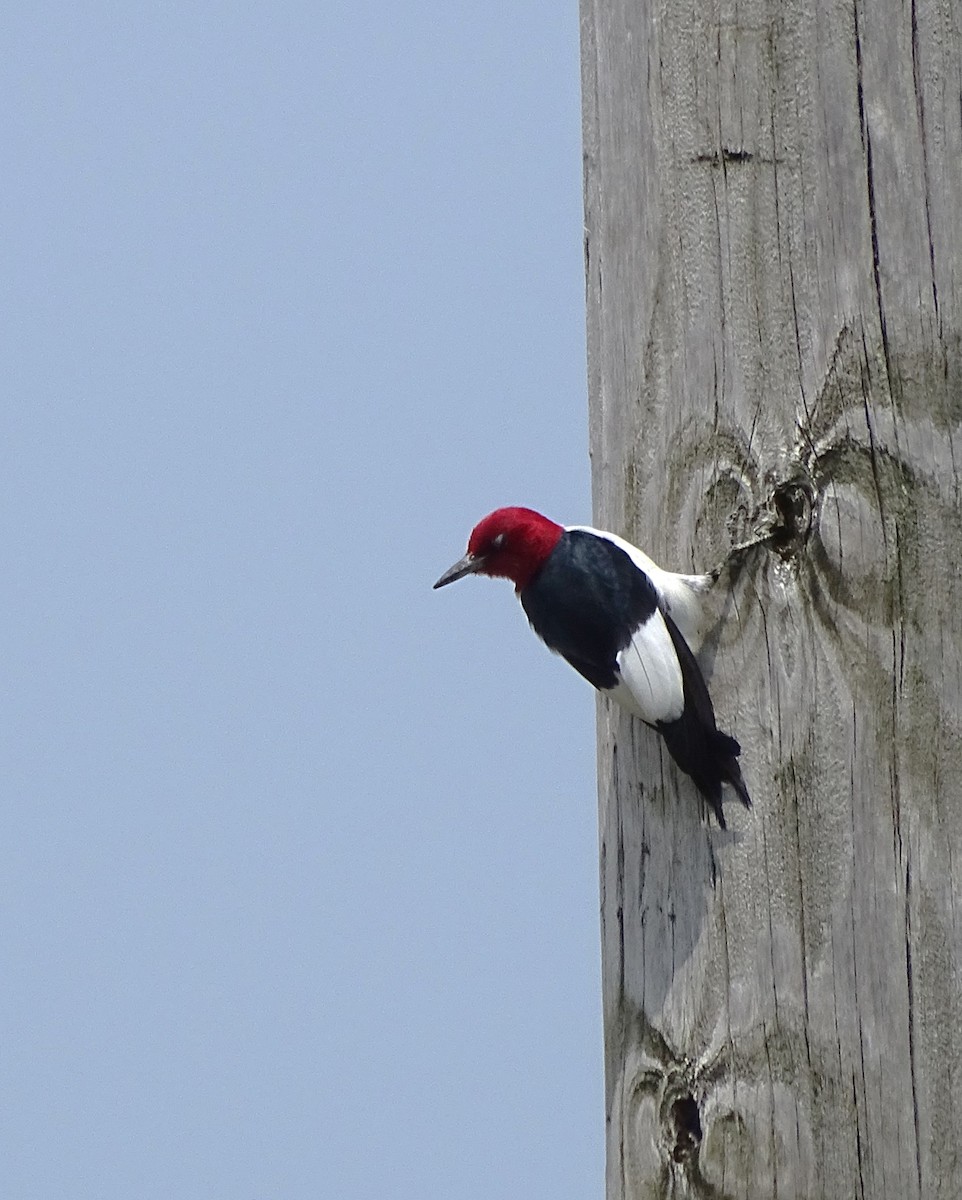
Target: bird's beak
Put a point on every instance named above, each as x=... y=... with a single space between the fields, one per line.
x=465 y=566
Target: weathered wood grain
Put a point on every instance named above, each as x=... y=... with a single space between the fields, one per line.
x=773 y=250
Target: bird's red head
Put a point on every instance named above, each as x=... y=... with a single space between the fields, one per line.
x=510 y=542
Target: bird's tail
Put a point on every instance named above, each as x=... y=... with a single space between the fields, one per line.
x=694 y=741
x=727 y=751
x=709 y=756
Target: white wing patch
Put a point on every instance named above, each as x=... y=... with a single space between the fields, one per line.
x=678 y=595
x=651 y=685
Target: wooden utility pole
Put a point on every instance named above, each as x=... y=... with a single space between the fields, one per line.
x=773 y=249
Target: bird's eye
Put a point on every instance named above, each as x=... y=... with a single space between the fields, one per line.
x=498 y=542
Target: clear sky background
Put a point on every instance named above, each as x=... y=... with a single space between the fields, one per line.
x=298 y=865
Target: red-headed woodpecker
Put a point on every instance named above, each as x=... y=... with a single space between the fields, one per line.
x=621 y=621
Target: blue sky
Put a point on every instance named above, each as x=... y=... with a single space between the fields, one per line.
x=299 y=858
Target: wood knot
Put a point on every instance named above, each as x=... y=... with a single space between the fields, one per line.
x=686 y=1128
x=793 y=502
x=782 y=523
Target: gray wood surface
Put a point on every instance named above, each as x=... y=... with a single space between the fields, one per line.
x=773 y=249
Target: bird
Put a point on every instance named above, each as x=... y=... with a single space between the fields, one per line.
x=621 y=622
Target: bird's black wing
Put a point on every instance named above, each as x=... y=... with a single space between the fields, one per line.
x=586 y=603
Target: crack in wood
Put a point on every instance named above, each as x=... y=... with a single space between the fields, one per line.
x=727 y=155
